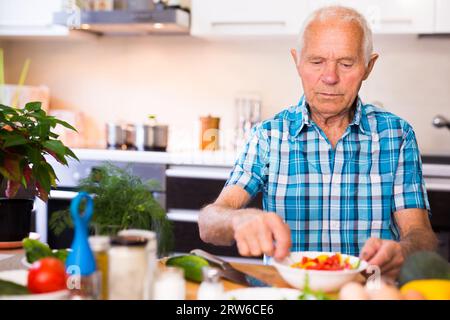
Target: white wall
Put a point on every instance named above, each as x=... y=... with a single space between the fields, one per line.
x=182 y=78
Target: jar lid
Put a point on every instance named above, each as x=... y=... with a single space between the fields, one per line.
x=129 y=241
x=99 y=243
x=210 y=274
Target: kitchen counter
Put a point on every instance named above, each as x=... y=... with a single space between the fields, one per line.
x=265 y=273
x=204 y=158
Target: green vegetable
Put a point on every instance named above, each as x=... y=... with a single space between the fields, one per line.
x=424 y=265
x=191 y=264
x=309 y=294
x=11 y=288
x=356 y=264
x=36 y=250
x=61 y=254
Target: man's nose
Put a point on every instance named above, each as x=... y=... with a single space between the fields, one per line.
x=330 y=75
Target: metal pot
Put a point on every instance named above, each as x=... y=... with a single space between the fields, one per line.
x=152 y=137
x=115 y=136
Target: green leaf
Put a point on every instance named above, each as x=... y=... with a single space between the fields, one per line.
x=55 y=146
x=65 y=124
x=33 y=106
x=15 y=140
x=71 y=154
x=43 y=177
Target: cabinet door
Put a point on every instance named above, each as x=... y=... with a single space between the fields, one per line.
x=28 y=12
x=442 y=24
x=247 y=17
x=390 y=16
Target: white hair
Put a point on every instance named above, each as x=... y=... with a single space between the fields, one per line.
x=344 y=14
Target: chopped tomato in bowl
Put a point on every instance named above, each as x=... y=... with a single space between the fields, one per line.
x=325 y=271
x=326 y=262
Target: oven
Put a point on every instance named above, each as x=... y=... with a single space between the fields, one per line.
x=436 y=171
x=68 y=181
x=190 y=188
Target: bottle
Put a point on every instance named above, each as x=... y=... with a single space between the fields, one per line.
x=211 y=288
x=100 y=246
x=169 y=284
x=83 y=281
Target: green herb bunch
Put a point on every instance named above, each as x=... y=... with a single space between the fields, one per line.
x=25 y=138
x=121 y=201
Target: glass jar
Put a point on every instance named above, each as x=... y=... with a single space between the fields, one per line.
x=100 y=246
x=128 y=268
x=211 y=288
x=169 y=284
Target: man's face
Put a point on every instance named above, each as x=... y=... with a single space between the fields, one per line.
x=332 y=65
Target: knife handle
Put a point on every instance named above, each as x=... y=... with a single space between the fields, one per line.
x=209 y=257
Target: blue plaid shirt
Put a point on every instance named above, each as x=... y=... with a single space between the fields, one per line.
x=334 y=200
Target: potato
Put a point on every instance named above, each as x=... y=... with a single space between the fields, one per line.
x=353 y=291
x=385 y=292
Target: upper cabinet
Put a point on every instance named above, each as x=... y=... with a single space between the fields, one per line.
x=247 y=17
x=270 y=17
x=29 y=18
x=442 y=16
x=390 y=16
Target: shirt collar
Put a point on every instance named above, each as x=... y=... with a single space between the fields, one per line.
x=299 y=116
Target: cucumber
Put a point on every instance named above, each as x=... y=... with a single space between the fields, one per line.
x=191 y=264
x=8 y=288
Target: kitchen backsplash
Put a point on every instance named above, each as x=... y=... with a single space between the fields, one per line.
x=180 y=79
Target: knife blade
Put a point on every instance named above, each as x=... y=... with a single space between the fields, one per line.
x=227 y=271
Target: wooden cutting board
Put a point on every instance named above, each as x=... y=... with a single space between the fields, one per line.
x=267 y=274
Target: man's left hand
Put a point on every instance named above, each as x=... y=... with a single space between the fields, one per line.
x=386 y=254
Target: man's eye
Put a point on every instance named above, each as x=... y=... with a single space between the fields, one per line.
x=316 y=62
x=347 y=65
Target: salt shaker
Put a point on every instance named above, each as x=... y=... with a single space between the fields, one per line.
x=211 y=288
x=169 y=284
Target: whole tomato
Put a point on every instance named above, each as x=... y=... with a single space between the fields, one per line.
x=47 y=275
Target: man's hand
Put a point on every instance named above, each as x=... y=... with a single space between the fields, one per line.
x=388 y=255
x=255 y=232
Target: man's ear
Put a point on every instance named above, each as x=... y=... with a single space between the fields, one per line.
x=370 y=65
x=294 y=56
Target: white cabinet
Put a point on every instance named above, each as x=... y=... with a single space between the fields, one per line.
x=247 y=17
x=442 y=24
x=29 y=18
x=390 y=16
x=271 y=17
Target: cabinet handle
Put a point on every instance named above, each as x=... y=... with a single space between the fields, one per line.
x=248 y=23
x=394 y=21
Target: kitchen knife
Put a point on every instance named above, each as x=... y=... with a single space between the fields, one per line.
x=230 y=273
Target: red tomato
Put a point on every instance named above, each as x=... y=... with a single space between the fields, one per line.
x=47 y=275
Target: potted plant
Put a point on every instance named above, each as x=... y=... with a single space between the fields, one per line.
x=121 y=201
x=26 y=137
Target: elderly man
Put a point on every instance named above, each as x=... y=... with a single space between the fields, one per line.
x=336 y=174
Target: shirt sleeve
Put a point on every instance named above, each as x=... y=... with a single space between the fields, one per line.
x=250 y=170
x=409 y=185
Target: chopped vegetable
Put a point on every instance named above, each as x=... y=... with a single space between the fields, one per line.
x=325 y=262
x=309 y=294
x=36 y=250
x=12 y=288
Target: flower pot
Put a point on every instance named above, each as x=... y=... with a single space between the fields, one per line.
x=15 y=219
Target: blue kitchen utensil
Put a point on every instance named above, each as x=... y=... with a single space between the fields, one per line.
x=81 y=255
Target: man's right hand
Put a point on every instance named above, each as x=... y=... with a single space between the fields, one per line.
x=256 y=231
